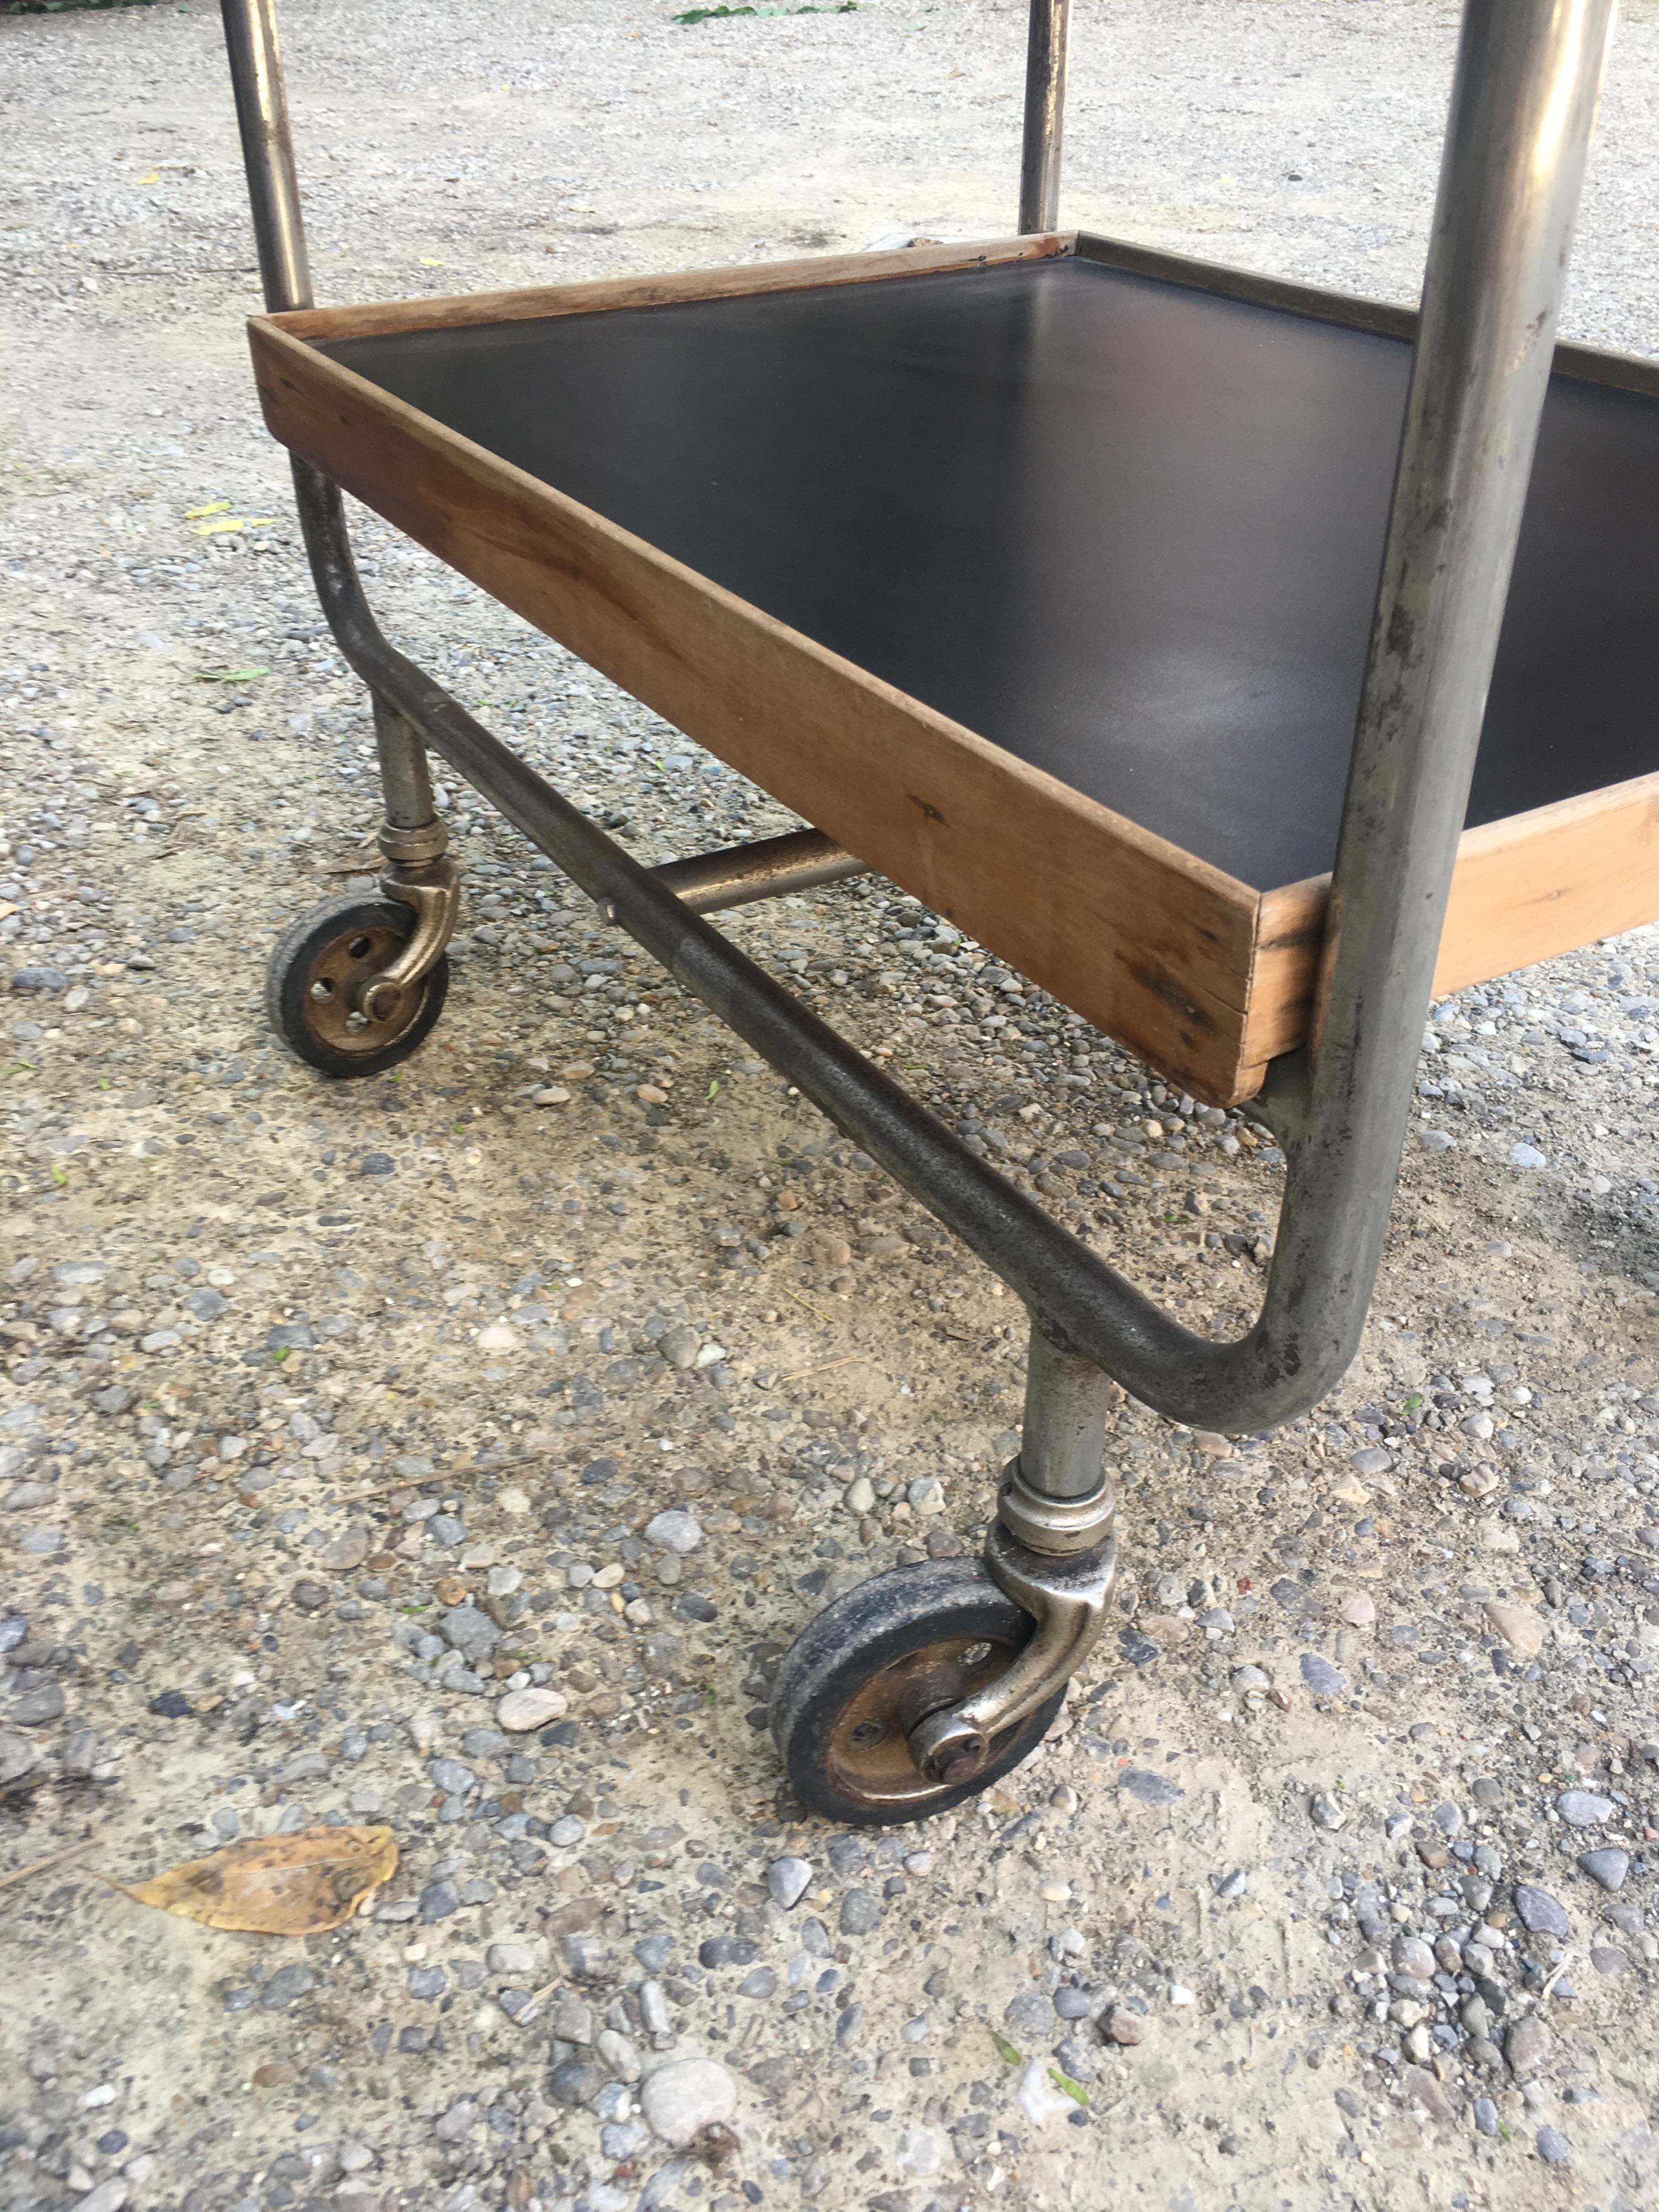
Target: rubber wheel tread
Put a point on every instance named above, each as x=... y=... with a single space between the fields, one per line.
x=858 y=1636
x=290 y=963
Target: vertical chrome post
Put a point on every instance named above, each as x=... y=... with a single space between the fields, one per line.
x=1523 y=109
x=1064 y=1439
x=419 y=874
x=1057 y=1496
x=256 y=76
x=404 y=778
x=1045 y=114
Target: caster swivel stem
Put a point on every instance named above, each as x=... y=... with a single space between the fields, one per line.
x=411 y=818
x=419 y=873
x=1053 y=1548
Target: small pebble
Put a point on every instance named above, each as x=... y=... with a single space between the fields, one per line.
x=36 y=1707
x=676 y=1530
x=860 y=1912
x=1029 y=2012
x=788 y=1881
x=521 y=1710
x=1521 y=1628
x=1581 y=1809
x=288 y=1983
x=1540 y=1912
x=1527 y=2046
x=1609 y=1867
x=682 y=2098
x=725 y=1951
x=576 y=2081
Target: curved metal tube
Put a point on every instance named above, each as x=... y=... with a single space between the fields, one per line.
x=1523 y=101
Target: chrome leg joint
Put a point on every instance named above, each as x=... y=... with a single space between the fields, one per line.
x=432 y=888
x=416 y=847
x=1058 y=1527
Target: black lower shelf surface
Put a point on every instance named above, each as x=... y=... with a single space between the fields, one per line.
x=1126 y=529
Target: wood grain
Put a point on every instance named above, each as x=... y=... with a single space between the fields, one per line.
x=1526 y=889
x=1549 y=881
x=1151 y=944
x=600 y=294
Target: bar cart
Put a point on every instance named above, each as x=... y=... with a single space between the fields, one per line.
x=1146 y=618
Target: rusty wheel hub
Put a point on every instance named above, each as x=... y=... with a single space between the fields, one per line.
x=870 y=1749
x=339 y=973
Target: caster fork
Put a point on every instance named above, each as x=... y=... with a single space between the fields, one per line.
x=419 y=872
x=1053 y=1548
x=919 y=1688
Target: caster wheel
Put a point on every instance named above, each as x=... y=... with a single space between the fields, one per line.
x=857 y=1679
x=312 y=984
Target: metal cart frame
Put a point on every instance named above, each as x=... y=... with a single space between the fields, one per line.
x=1523 y=109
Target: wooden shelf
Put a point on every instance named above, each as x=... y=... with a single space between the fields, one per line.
x=1038 y=574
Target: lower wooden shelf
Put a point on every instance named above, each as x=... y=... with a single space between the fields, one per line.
x=1037 y=574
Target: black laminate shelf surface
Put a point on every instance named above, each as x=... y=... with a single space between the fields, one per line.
x=1127 y=530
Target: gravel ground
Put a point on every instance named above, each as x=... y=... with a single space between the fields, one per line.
x=341 y=1422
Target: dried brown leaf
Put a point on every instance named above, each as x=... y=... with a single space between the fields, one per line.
x=297 y=1885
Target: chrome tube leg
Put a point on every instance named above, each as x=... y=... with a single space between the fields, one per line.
x=405 y=784
x=418 y=873
x=1524 y=104
x=1056 y=1497
x=256 y=76
x=1045 y=114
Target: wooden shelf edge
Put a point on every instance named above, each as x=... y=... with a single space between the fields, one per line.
x=1526 y=889
x=321 y=325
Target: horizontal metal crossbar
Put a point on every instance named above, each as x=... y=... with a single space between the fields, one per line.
x=770 y=867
